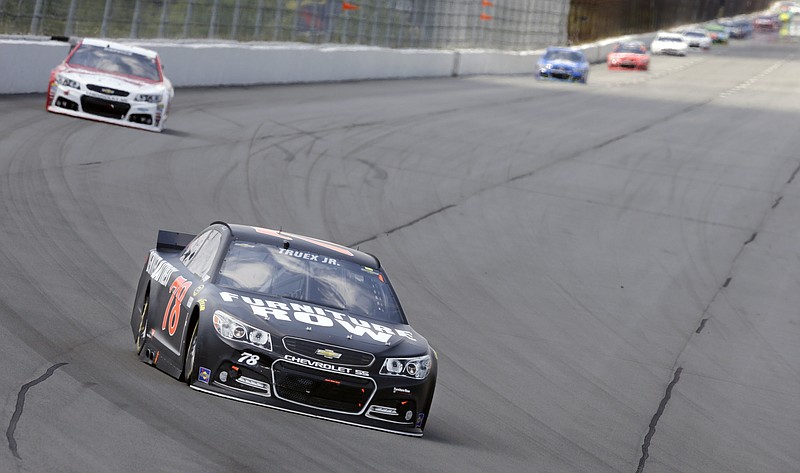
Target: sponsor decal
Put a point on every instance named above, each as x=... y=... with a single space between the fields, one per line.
x=204 y=375
x=113 y=98
x=197 y=290
x=159 y=269
x=308 y=256
x=401 y=390
x=420 y=418
x=383 y=410
x=318 y=364
x=119 y=51
x=202 y=304
x=318 y=316
x=290 y=236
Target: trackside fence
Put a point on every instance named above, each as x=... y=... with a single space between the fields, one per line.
x=437 y=24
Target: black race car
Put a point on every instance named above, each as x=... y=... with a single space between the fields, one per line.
x=284 y=321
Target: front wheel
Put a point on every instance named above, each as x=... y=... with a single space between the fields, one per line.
x=142 y=333
x=189 y=374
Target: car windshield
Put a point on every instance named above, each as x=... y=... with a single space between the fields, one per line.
x=309 y=277
x=629 y=48
x=116 y=61
x=573 y=56
x=695 y=34
x=670 y=38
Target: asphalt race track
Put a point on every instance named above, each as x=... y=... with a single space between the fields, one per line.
x=610 y=273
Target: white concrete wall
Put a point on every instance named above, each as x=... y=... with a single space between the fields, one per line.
x=232 y=64
x=25 y=64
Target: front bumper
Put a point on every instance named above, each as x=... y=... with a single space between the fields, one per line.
x=283 y=380
x=564 y=75
x=621 y=65
x=95 y=106
x=671 y=51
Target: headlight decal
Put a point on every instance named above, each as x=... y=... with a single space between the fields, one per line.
x=149 y=98
x=231 y=328
x=417 y=367
x=67 y=82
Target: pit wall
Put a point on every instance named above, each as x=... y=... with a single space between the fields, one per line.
x=25 y=63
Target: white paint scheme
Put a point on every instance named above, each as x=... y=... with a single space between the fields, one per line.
x=672 y=43
x=694 y=38
x=155 y=112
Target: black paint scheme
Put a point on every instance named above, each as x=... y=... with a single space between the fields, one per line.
x=200 y=322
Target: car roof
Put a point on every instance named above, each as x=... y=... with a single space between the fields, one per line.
x=301 y=243
x=669 y=35
x=102 y=43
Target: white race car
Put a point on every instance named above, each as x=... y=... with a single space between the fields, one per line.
x=113 y=83
x=669 y=43
x=697 y=39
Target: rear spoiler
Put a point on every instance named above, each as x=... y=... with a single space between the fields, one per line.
x=173 y=241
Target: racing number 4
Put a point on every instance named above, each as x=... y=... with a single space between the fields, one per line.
x=173 y=312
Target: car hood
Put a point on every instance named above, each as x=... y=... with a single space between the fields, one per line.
x=563 y=64
x=627 y=56
x=114 y=81
x=671 y=44
x=285 y=317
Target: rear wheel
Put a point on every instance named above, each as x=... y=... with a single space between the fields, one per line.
x=189 y=371
x=142 y=333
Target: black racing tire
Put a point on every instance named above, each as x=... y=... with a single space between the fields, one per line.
x=189 y=369
x=141 y=335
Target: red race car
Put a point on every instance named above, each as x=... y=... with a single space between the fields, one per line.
x=632 y=55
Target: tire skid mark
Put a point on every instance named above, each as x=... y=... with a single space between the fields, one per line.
x=12 y=424
x=545 y=166
x=405 y=225
x=702 y=326
x=727 y=281
x=654 y=421
x=794 y=174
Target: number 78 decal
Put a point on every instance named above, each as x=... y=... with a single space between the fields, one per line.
x=173 y=312
x=249 y=359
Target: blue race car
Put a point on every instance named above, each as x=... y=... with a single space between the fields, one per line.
x=564 y=64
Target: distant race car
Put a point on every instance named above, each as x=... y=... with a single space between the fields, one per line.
x=113 y=83
x=630 y=55
x=564 y=64
x=740 y=28
x=697 y=39
x=767 y=22
x=284 y=321
x=669 y=43
x=718 y=33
